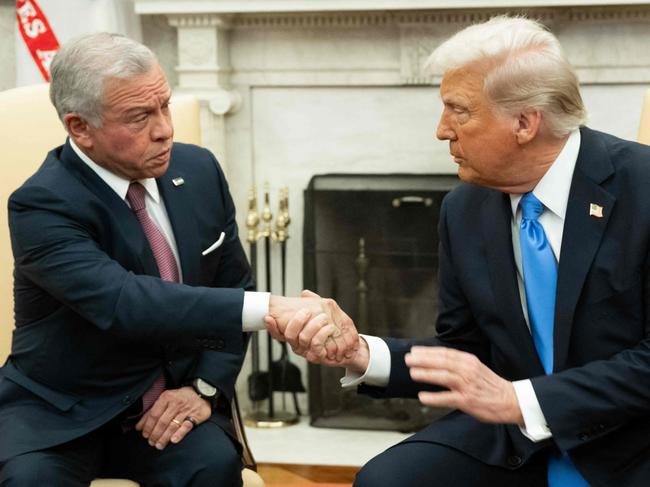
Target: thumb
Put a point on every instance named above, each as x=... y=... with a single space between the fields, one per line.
x=306 y=293
x=273 y=328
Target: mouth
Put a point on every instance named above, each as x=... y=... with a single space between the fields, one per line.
x=163 y=154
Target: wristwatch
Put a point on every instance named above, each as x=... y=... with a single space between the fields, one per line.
x=206 y=390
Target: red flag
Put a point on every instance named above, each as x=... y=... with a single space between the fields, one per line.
x=43 y=25
x=37 y=34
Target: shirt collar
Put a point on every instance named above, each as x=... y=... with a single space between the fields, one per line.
x=115 y=182
x=553 y=189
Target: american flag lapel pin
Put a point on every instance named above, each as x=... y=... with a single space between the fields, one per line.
x=181 y=182
x=595 y=210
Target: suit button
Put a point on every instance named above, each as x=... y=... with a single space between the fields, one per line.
x=126 y=400
x=514 y=460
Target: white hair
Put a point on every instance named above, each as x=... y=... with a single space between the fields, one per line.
x=82 y=66
x=525 y=68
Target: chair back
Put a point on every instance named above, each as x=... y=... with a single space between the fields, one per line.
x=29 y=128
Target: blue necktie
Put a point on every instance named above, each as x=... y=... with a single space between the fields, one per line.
x=540 y=280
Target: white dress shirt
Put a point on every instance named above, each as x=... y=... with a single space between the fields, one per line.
x=256 y=305
x=553 y=192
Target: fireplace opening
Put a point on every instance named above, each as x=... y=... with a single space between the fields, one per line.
x=371 y=243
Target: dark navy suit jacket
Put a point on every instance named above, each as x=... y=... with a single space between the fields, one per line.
x=597 y=404
x=95 y=325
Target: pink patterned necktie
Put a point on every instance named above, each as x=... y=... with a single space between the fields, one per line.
x=167 y=267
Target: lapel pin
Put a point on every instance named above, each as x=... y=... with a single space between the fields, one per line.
x=181 y=182
x=595 y=210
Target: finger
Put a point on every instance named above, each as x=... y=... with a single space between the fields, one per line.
x=317 y=351
x=308 y=332
x=431 y=357
x=439 y=377
x=295 y=326
x=306 y=293
x=163 y=424
x=337 y=346
x=174 y=425
x=460 y=363
x=141 y=422
x=444 y=399
x=181 y=432
x=151 y=417
x=347 y=338
x=332 y=350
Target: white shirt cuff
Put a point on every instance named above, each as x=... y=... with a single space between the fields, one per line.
x=378 y=371
x=536 y=428
x=256 y=307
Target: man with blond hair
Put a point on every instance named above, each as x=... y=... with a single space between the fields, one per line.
x=542 y=343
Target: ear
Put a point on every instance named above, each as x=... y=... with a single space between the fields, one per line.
x=527 y=126
x=80 y=131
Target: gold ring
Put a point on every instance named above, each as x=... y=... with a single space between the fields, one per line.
x=191 y=420
x=176 y=422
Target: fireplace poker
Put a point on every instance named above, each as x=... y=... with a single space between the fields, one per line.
x=252 y=222
x=287 y=368
x=267 y=216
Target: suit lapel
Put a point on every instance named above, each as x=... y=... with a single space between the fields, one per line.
x=497 y=235
x=182 y=218
x=127 y=223
x=582 y=235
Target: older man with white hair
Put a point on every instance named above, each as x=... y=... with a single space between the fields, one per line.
x=543 y=332
x=132 y=291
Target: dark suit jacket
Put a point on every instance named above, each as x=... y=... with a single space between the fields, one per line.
x=95 y=325
x=597 y=404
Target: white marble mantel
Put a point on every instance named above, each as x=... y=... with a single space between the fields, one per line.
x=267 y=6
x=294 y=88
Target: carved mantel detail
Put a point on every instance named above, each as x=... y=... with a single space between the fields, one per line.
x=204 y=69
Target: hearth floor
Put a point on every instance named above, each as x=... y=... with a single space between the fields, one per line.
x=304 y=444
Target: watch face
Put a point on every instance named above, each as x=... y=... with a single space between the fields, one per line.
x=205 y=389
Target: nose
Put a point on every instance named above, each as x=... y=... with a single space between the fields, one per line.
x=444 y=131
x=163 y=128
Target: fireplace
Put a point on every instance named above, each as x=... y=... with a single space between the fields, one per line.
x=371 y=243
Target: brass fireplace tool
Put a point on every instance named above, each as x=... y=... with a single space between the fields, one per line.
x=280 y=375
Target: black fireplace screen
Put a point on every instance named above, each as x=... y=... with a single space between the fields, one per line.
x=371 y=243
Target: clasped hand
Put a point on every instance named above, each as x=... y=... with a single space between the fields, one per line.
x=315 y=328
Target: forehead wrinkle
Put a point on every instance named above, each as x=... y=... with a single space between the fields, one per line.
x=137 y=93
x=464 y=87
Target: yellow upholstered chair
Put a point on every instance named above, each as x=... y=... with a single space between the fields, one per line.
x=644 y=125
x=29 y=128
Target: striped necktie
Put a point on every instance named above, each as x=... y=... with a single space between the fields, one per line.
x=167 y=266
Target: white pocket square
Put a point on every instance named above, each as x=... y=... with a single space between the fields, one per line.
x=215 y=245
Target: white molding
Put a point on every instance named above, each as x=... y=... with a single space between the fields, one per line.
x=268 y=6
x=198 y=20
x=326 y=20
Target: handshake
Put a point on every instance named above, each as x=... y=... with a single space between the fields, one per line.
x=317 y=329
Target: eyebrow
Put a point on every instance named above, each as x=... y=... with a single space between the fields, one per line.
x=145 y=108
